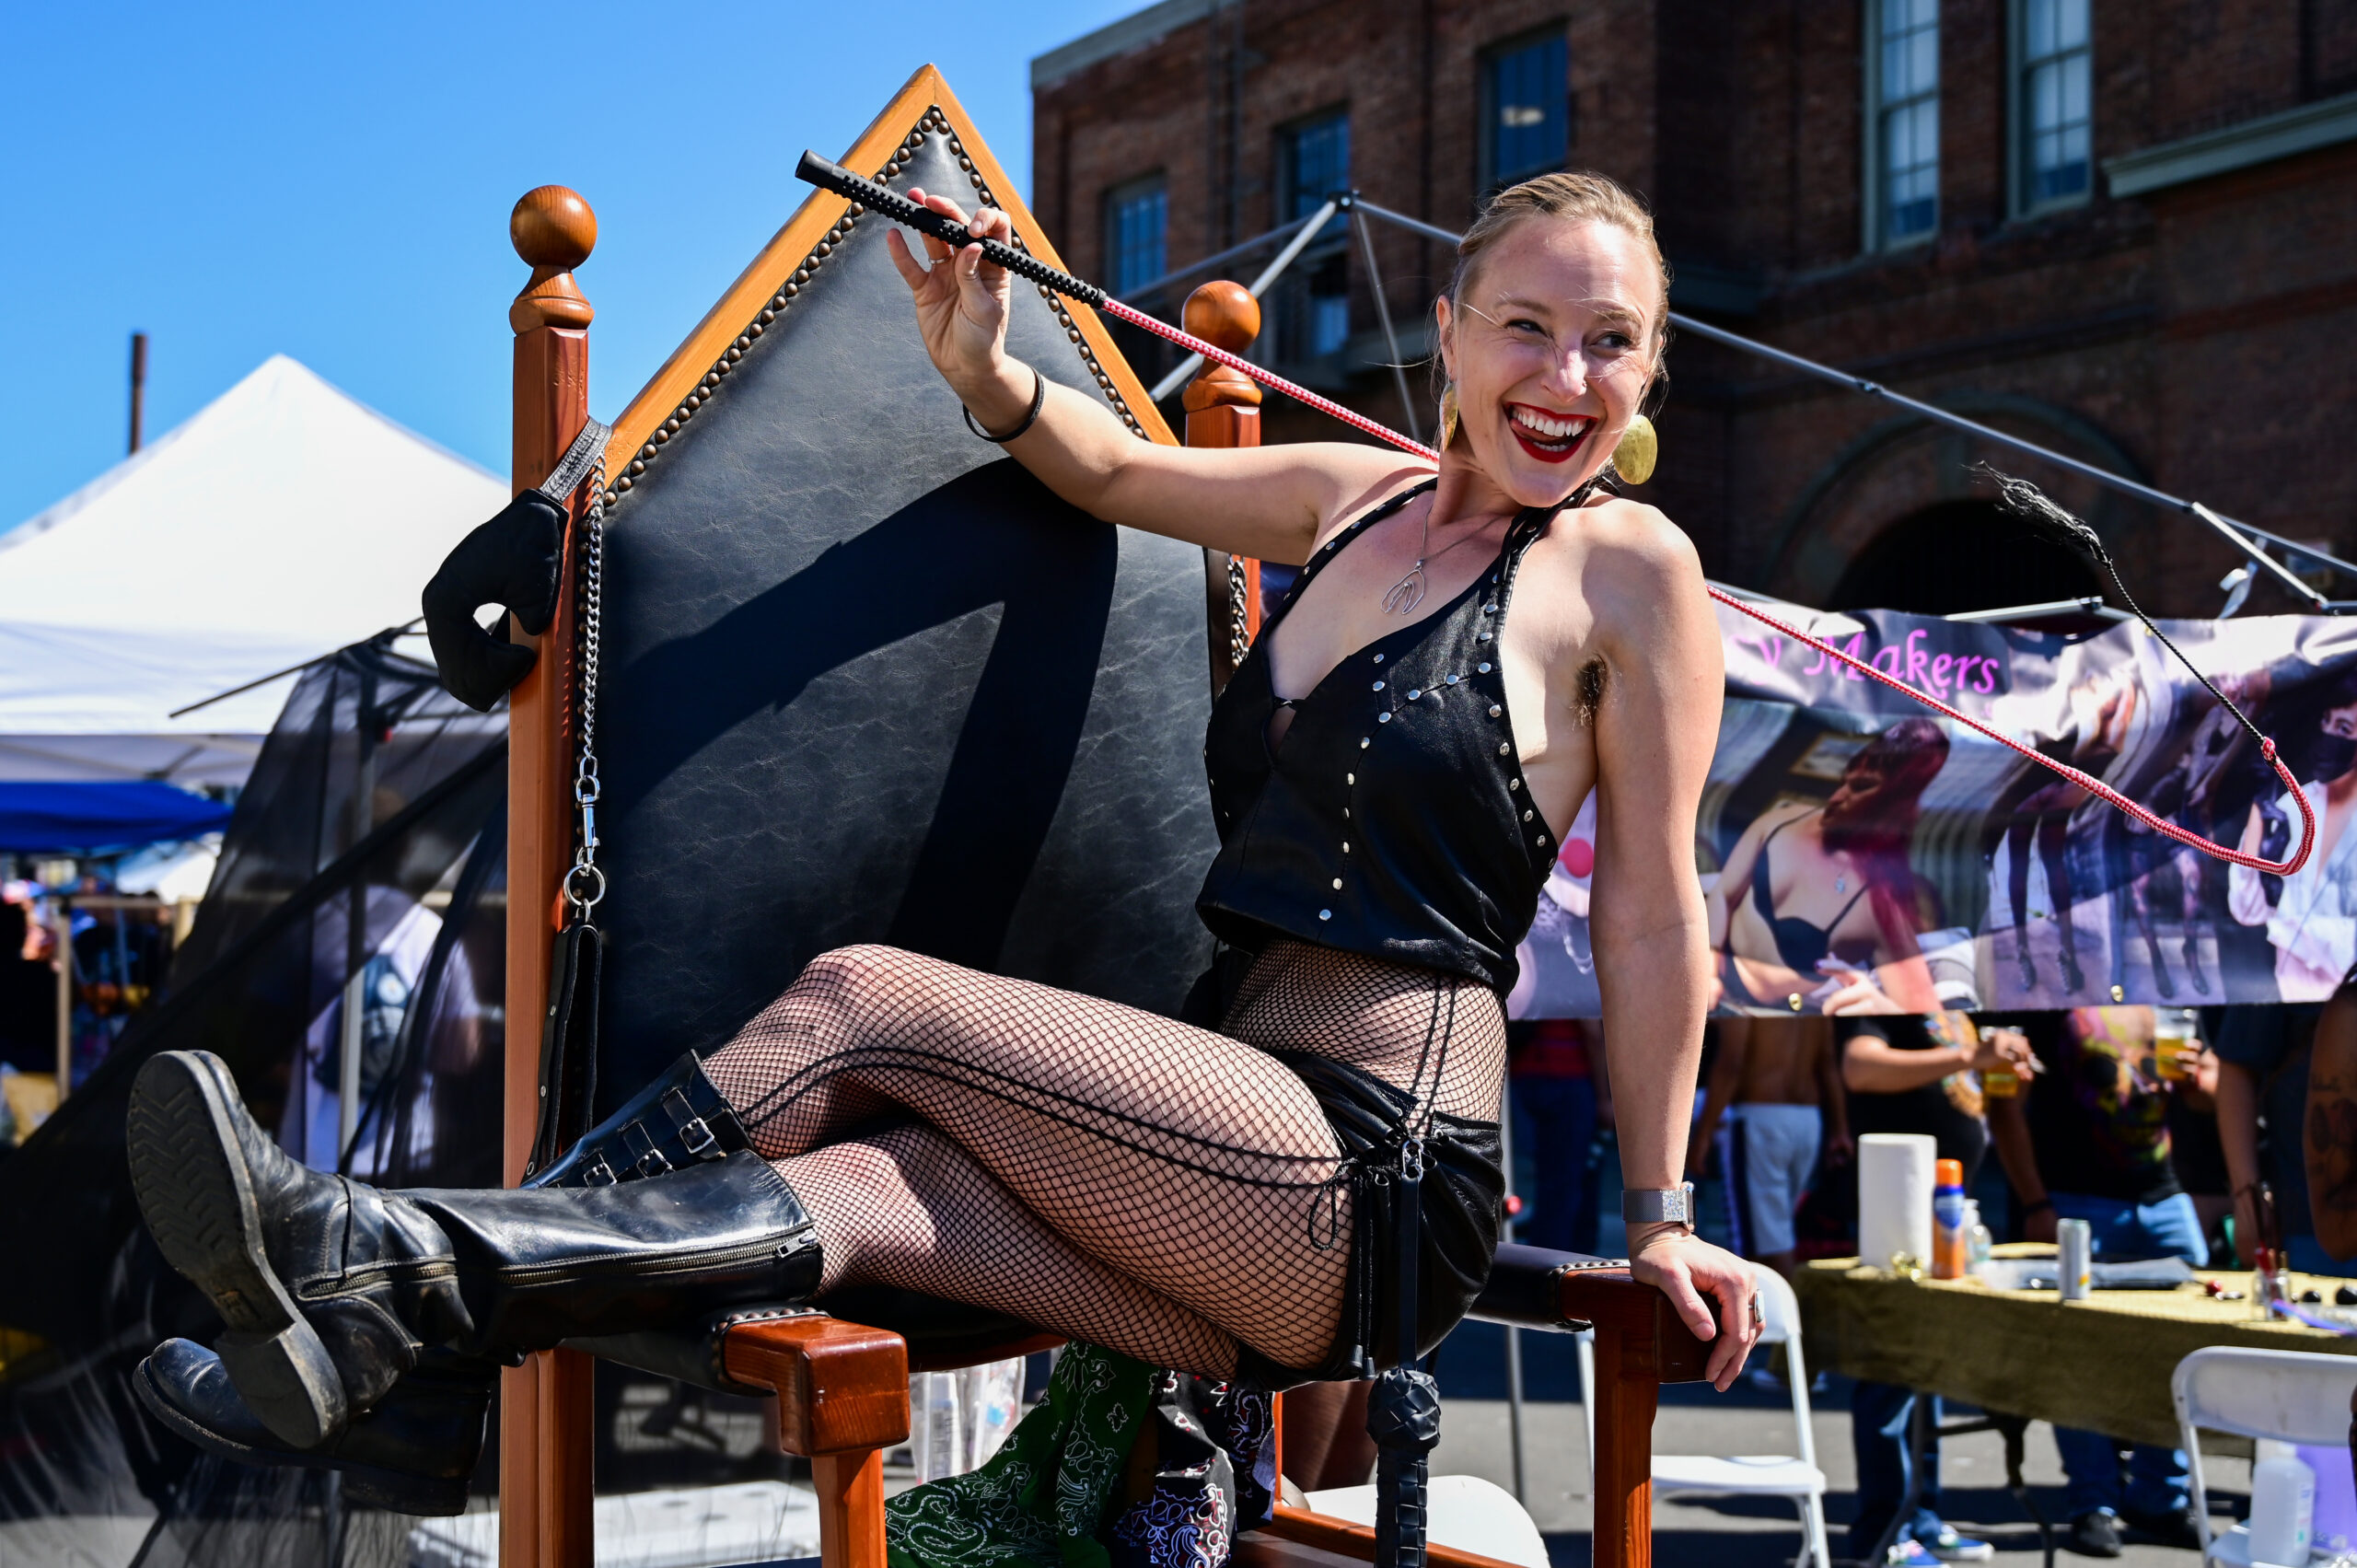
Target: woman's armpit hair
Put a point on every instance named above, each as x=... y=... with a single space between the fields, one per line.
x=1589 y=693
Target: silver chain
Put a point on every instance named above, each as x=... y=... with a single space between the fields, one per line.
x=1239 y=625
x=585 y=884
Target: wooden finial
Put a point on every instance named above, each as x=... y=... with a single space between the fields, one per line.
x=553 y=230
x=1224 y=314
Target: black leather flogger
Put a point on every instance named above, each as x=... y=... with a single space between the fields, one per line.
x=331 y=1289
x=414 y=1449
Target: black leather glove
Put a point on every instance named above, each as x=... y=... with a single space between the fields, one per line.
x=511 y=561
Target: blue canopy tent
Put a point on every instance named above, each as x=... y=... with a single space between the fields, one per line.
x=99 y=818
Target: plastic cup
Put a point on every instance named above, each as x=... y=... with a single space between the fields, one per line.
x=2177 y=1041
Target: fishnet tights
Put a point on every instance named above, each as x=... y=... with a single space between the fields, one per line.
x=1101 y=1172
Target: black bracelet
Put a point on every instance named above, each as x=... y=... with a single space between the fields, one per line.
x=1038 y=402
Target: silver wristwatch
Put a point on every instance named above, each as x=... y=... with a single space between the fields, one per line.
x=1653 y=1205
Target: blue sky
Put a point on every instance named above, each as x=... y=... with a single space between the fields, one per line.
x=332 y=182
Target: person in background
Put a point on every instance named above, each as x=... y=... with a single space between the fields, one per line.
x=2330 y=1141
x=2090 y=1141
x=2198 y=1156
x=1559 y=1098
x=28 y=996
x=1907 y=1073
x=1777 y=1081
x=2262 y=1110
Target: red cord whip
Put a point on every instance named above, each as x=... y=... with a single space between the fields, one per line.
x=833 y=177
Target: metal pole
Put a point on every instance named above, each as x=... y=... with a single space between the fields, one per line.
x=357 y=949
x=1269 y=274
x=1513 y=1334
x=2238 y=534
x=138 y=387
x=1383 y=314
x=64 y=930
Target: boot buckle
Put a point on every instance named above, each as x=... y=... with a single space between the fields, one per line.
x=695 y=1137
x=649 y=1155
x=600 y=1174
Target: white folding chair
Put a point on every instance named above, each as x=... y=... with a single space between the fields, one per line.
x=2291 y=1396
x=1750 y=1475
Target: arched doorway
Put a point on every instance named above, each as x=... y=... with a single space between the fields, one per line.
x=1960 y=555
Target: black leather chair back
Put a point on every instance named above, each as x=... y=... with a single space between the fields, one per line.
x=867 y=680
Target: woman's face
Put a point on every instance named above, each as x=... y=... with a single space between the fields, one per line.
x=1552 y=346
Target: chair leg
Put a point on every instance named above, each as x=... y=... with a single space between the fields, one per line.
x=851 y=1508
x=1813 y=1519
x=1625 y=1402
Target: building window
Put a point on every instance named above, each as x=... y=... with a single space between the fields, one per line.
x=1136 y=216
x=1526 y=111
x=1903 y=82
x=1313 y=162
x=2052 y=90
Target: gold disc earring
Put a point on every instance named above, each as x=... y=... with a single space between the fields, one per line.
x=1638 y=451
x=1448 y=416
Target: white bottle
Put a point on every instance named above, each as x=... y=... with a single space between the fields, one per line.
x=2283 y=1506
x=1980 y=1242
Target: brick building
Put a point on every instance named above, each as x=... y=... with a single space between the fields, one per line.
x=2124 y=228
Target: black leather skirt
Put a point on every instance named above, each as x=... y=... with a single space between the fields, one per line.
x=1462 y=1200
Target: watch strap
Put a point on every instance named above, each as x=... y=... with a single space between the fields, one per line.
x=1654 y=1205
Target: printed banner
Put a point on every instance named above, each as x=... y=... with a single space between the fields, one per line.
x=1860 y=854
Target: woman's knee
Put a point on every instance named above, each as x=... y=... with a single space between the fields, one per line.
x=848 y=984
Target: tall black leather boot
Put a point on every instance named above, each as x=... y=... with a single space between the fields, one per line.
x=414 y=1453
x=415 y=1449
x=679 y=1120
x=332 y=1288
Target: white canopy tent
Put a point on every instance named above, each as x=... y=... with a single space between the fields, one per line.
x=282 y=521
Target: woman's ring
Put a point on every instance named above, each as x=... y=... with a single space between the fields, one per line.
x=1756 y=1320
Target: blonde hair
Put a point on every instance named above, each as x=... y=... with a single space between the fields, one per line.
x=1578 y=195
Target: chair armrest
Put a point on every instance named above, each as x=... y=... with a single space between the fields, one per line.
x=1535 y=1287
x=840 y=1387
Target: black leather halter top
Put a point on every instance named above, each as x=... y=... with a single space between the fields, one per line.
x=1393 y=819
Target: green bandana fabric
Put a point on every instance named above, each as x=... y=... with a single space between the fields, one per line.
x=1041 y=1501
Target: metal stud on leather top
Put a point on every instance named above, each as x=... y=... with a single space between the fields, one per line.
x=1502 y=747
x=1495 y=710
x=1364 y=743
x=1337 y=884
x=1324 y=914
x=1414 y=694
x=1379 y=659
x=1378 y=685
x=1484 y=668
x=1382 y=718
x=1455 y=679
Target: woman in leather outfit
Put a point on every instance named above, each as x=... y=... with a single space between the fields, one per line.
x=1467 y=653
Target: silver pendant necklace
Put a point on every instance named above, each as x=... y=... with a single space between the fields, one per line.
x=1408 y=591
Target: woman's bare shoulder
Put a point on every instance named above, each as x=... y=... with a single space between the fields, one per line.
x=1639 y=544
x=1358 y=479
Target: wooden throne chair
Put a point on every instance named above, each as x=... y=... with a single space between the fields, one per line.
x=864 y=680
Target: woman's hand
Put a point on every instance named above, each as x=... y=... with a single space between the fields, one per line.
x=962 y=304
x=1857 y=994
x=1694 y=1274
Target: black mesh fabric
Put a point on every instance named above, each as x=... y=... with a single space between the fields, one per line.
x=83 y=1295
x=1102 y=1172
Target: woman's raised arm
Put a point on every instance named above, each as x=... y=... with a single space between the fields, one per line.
x=1269 y=503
